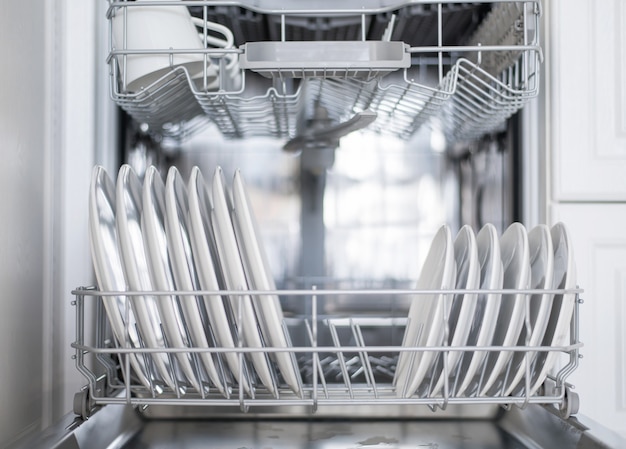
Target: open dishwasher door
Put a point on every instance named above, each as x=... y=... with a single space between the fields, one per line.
x=123 y=427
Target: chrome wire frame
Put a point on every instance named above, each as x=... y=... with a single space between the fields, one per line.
x=477 y=86
x=349 y=370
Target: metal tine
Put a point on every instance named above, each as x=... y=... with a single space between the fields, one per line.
x=316 y=363
x=447 y=301
x=358 y=335
x=574 y=338
x=483 y=370
x=292 y=356
x=125 y=359
x=361 y=354
x=412 y=355
x=497 y=87
x=79 y=303
x=153 y=375
x=234 y=322
x=200 y=373
x=128 y=343
x=433 y=371
x=314 y=341
x=220 y=362
x=161 y=90
x=457 y=374
x=244 y=374
x=107 y=361
x=174 y=364
x=270 y=365
x=341 y=359
x=198 y=370
x=509 y=366
x=485 y=100
x=529 y=356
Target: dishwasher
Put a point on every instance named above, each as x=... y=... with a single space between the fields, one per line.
x=360 y=127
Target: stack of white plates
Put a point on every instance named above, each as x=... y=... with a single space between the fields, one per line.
x=187 y=237
x=540 y=259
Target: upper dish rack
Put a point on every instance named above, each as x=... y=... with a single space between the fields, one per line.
x=464 y=67
x=343 y=359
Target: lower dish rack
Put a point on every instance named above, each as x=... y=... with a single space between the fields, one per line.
x=346 y=360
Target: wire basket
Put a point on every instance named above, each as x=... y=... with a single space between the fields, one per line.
x=469 y=88
x=342 y=358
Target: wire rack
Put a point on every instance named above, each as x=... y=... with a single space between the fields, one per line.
x=343 y=359
x=467 y=88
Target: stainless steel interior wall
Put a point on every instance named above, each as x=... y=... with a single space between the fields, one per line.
x=22 y=183
x=47 y=141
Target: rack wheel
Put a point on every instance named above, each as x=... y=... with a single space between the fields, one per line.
x=570 y=405
x=81 y=404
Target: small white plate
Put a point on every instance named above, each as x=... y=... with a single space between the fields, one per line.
x=108 y=267
x=235 y=278
x=128 y=220
x=260 y=278
x=558 y=328
x=487 y=307
x=184 y=270
x=155 y=240
x=461 y=315
x=541 y=277
x=516 y=264
x=425 y=326
x=204 y=254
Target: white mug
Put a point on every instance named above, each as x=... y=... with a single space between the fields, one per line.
x=156 y=28
x=231 y=60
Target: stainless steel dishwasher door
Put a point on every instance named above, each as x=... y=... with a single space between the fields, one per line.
x=123 y=427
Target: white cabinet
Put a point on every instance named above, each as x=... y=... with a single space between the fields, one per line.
x=586 y=61
x=599 y=238
x=585 y=133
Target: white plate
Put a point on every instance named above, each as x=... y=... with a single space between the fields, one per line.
x=461 y=315
x=128 y=220
x=235 y=279
x=155 y=240
x=487 y=307
x=541 y=277
x=185 y=279
x=516 y=264
x=108 y=267
x=260 y=278
x=203 y=249
x=557 y=330
x=425 y=326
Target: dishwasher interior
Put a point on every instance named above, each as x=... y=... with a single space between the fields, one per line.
x=360 y=127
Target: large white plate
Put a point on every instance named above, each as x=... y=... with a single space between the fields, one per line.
x=541 y=277
x=155 y=240
x=108 y=267
x=260 y=278
x=487 y=307
x=557 y=330
x=461 y=315
x=185 y=279
x=203 y=249
x=235 y=279
x=516 y=264
x=425 y=326
x=128 y=220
